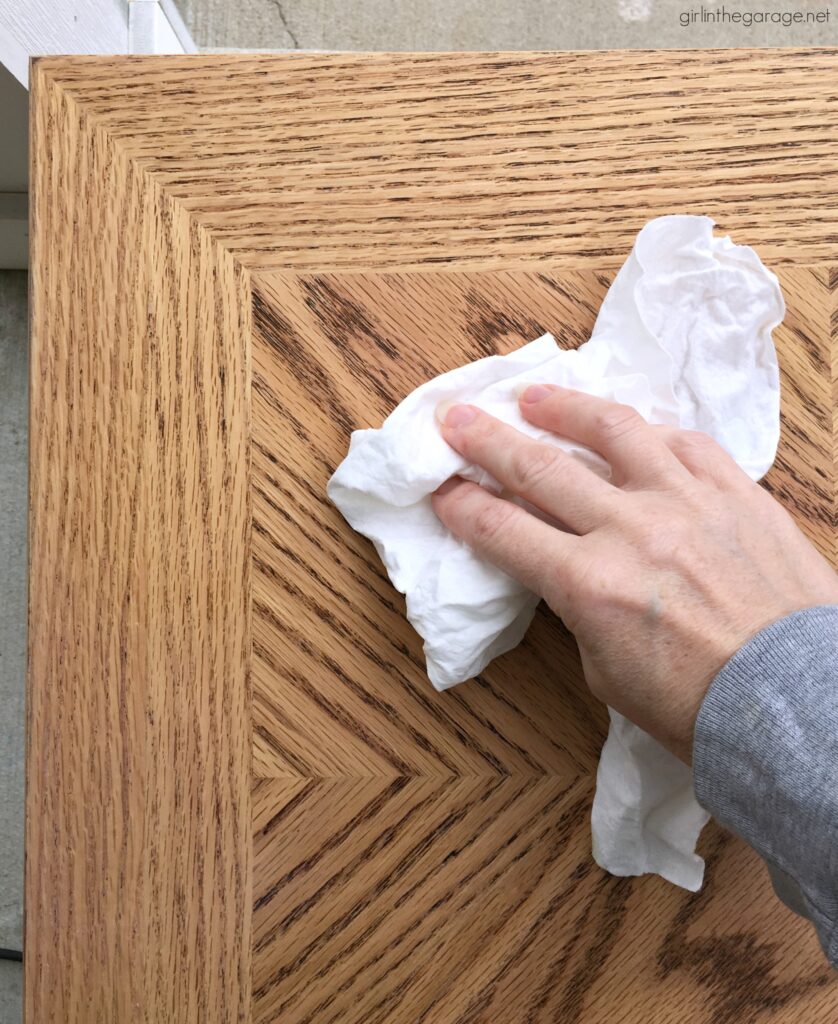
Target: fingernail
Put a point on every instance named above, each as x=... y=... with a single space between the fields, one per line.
x=535 y=392
x=459 y=415
x=449 y=485
x=441 y=410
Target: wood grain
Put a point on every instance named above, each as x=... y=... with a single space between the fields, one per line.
x=830 y=282
x=405 y=901
x=138 y=850
x=327 y=161
x=333 y=652
x=395 y=889
x=159 y=185
x=804 y=474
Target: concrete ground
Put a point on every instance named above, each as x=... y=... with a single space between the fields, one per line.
x=315 y=25
x=13 y=447
x=499 y=24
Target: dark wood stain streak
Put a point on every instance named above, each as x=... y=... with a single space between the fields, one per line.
x=367 y=814
x=381 y=841
x=818 y=413
x=342 y=318
x=276 y=819
x=559 y=838
x=375 y=571
x=373 y=579
x=813 y=478
x=337 y=713
x=268 y=737
x=343 y=599
x=606 y=939
x=573 y=299
x=490 y=727
x=410 y=655
x=816 y=508
x=422 y=365
x=798 y=441
x=385 y=708
x=452 y=697
x=448 y=896
x=813 y=349
x=357 y=545
x=737 y=970
x=818 y=492
x=502 y=698
x=378 y=704
x=558 y=965
x=262 y=389
x=413 y=952
x=344 y=321
x=273 y=328
x=487 y=324
x=440 y=718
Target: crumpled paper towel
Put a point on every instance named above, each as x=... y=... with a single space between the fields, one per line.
x=684 y=336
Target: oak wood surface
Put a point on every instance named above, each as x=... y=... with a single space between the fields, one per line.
x=328 y=161
x=138 y=859
x=159 y=185
x=437 y=866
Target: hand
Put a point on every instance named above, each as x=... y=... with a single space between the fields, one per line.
x=664 y=572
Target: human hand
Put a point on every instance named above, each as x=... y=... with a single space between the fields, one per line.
x=665 y=571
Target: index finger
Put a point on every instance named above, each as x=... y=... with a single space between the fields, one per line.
x=543 y=474
x=546 y=560
x=635 y=452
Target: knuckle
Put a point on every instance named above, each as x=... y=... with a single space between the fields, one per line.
x=475 y=438
x=616 y=422
x=456 y=508
x=532 y=464
x=695 y=443
x=482 y=431
x=490 y=521
x=588 y=573
x=593 y=594
x=594 y=585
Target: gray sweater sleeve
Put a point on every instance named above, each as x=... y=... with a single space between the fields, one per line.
x=765 y=759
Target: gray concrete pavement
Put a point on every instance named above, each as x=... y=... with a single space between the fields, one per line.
x=502 y=25
x=13 y=476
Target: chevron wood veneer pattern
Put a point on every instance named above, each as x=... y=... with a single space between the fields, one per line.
x=397 y=883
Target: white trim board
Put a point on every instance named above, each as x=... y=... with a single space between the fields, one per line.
x=155 y=26
x=31 y=28
x=63 y=26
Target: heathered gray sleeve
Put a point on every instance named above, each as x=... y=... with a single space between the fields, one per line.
x=765 y=759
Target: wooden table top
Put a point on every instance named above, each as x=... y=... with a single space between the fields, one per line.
x=244 y=800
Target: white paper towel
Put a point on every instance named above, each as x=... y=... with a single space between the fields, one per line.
x=684 y=336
